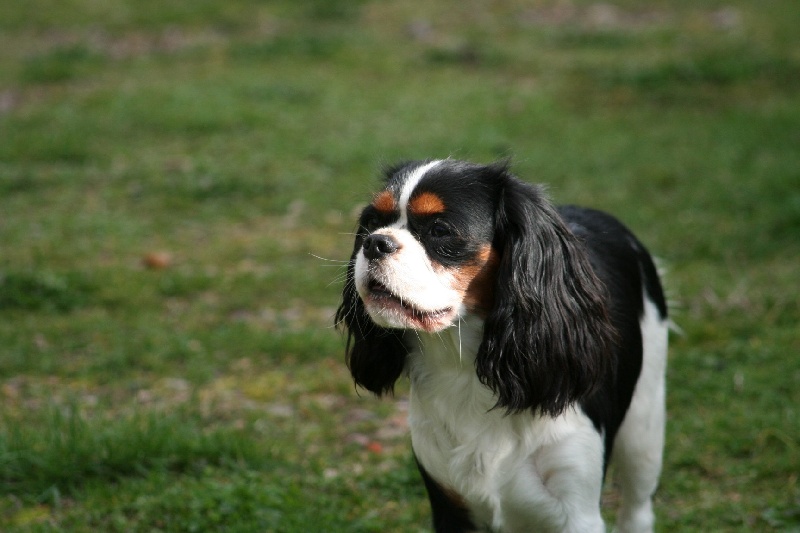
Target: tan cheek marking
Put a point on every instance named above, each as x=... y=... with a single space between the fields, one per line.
x=476 y=281
x=384 y=202
x=426 y=203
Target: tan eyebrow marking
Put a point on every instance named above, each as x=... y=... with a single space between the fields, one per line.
x=426 y=203
x=384 y=202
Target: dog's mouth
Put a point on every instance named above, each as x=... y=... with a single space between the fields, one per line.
x=390 y=304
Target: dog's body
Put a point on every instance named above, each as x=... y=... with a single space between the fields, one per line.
x=535 y=341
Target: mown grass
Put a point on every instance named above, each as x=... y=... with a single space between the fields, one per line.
x=205 y=390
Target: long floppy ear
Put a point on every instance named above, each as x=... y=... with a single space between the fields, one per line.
x=548 y=341
x=376 y=356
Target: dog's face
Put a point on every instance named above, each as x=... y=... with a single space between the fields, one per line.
x=424 y=255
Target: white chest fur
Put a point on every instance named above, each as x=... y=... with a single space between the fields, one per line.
x=511 y=470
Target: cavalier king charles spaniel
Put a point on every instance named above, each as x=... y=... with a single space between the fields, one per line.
x=535 y=340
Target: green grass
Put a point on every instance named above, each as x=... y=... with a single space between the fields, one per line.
x=238 y=138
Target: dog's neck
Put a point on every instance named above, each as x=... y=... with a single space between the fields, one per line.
x=450 y=350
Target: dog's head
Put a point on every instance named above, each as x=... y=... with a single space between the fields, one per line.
x=424 y=254
x=447 y=239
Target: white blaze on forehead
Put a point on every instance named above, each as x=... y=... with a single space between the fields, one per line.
x=410 y=184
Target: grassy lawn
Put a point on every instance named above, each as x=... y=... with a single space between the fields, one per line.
x=177 y=186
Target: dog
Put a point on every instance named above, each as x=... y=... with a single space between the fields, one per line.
x=534 y=338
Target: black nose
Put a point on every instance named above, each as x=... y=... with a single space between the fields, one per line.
x=377 y=246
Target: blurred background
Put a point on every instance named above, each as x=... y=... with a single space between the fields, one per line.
x=178 y=187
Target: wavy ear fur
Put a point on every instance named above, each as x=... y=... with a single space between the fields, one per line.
x=548 y=340
x=376 y=356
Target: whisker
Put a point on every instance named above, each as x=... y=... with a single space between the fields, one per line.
x=338 y=279
x=326 y=259
x=441 y=339
x=460 y=358
x=418 y=337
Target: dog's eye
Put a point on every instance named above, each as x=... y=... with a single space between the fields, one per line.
x=371 y=224
x=439 y=229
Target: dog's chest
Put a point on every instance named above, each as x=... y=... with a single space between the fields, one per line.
x=456 y=436
x=481 y=454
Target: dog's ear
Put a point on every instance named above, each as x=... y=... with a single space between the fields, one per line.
x=548 y=340
x=376 y=356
